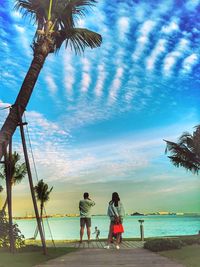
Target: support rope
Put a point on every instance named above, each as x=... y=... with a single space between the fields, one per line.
x=37 y=177
x=5 y=108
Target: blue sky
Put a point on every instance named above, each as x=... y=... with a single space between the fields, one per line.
x=97 y=121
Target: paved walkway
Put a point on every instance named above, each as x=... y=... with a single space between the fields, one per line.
x=102 y=244
x=99 y=257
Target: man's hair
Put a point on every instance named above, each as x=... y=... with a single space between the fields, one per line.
x=85 y=195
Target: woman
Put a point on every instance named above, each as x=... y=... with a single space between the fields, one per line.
x=116 y=214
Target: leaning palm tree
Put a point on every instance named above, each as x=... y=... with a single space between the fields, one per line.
x=55 y=26
x=186 y=152
x=42 y=195
x=18 y=171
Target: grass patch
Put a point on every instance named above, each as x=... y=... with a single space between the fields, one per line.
x=188 y=255
x=30 y=256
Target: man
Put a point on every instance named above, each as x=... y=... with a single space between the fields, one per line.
x=85 y=215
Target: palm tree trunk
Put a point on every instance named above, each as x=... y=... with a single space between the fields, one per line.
x=41 y=216
x=41 y=51
x=8 y=159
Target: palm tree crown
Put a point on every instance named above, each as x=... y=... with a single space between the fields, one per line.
x=18 y=170
x=186 y=152
x=55 y=19
x=42 y=192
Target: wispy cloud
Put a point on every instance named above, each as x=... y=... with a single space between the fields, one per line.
x=189 y=62
x=100 y=80
x=123 y=27
x=116 y=84
x=86 y=78
x=172 y=58
x=23 y=39
x=51 y=85
x=159 y=49
x=69 y=74
x=171 y=27
x=143 y=38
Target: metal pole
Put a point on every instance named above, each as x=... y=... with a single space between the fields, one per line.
x=141 y=230
x=31 y=184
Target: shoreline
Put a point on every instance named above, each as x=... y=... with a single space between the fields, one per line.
x=77 y=216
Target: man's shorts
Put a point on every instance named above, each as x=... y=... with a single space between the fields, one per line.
x=85 y=221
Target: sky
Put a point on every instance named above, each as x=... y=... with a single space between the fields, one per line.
x=96 y=121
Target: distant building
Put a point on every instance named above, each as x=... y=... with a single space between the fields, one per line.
x=163 y=212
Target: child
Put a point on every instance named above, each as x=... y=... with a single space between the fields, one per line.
x=97 y=232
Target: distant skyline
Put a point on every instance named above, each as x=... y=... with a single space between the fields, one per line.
x=97 y=121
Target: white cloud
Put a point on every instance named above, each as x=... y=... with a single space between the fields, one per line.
x=69 y=73
x=189 y=62
x=192 y=4
x=171 y=59
x=45 y=126
x=123 y=27
x=101 y=76
x=51 y=84
x=116 y=84
x=86 y=79
x=159 y=49
x=23 y=40
x=143 y=38
x=171 y=27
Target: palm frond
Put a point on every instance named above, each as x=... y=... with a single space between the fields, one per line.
x=185 y=153
x=20 y=173
x=79 y=39
x=78 y=7
x=62 y=10
x=188 y=165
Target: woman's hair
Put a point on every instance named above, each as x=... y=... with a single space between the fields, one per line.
x=85 y=195
x=115 y=199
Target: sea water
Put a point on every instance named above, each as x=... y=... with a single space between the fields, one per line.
x=67 y=228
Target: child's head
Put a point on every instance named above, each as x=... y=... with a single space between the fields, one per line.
x=95 y=227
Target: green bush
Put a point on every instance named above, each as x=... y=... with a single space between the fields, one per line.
x=156 y=245
x=19 y=239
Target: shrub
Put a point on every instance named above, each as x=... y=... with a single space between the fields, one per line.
x=19 y=239
x=156 y=245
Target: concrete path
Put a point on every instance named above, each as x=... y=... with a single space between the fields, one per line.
x=98 y=257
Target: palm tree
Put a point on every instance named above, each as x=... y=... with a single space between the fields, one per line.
x=42 y=195
x=55 y=26
x=186 y=152
x=17 y=170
